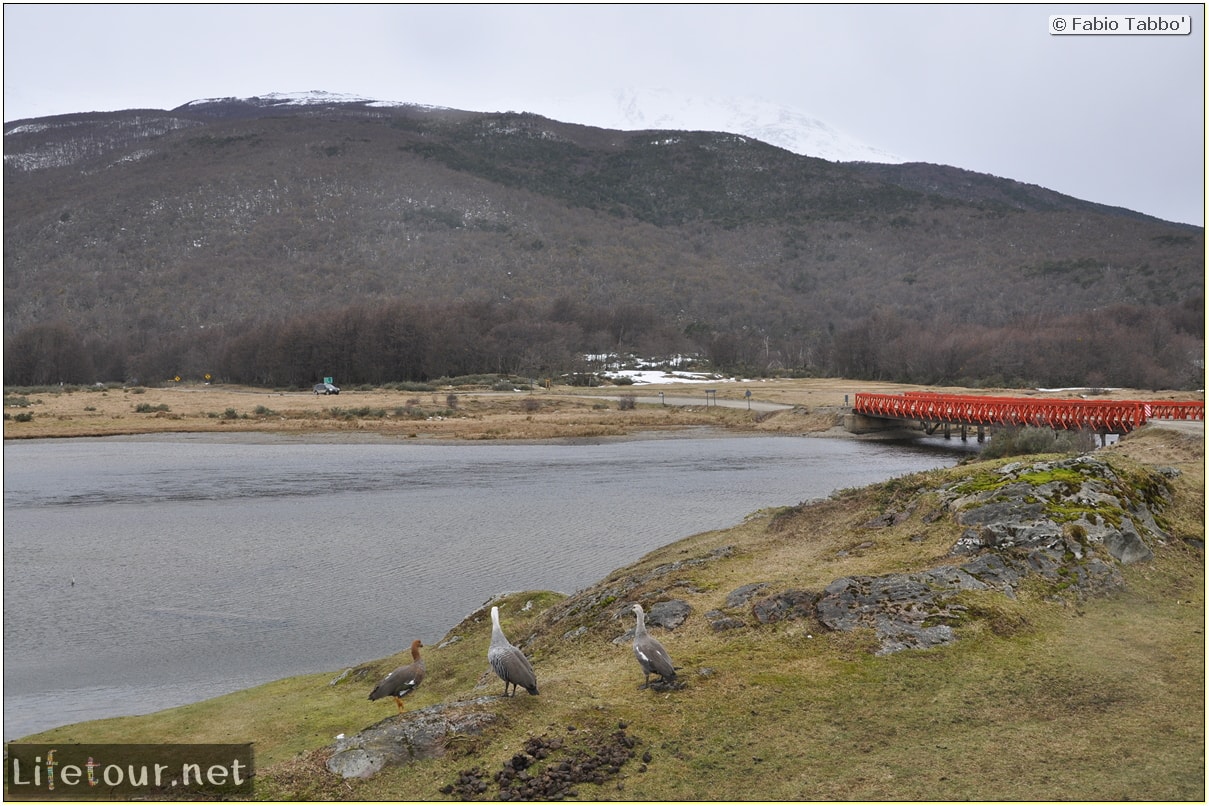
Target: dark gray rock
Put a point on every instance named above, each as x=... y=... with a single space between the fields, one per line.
x=719 y=621
x=902 y=609
x=896 y=635
x=784 y=606
x=404 y=738
x=669 y=615
x=742 y=595
x=994 y=571
x=949 y=578
x=843 y=601
x=1126 y=545
x=1001 y=512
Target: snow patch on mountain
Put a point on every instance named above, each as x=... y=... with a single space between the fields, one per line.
x=313 y=97
x=308 y=98
x=631 y=109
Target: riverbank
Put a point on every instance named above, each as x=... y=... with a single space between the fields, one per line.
x=801 y=406
x=190 y=544
x=1046 y=695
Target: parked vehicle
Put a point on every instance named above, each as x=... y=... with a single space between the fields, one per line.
x=326 y=389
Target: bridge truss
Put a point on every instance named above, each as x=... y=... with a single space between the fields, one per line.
x=1101 y=416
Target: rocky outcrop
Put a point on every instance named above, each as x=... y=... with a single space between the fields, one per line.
x=406 y=737
x=1072 y=522
x=1060 y=508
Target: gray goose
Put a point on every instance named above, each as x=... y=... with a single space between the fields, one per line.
x=508 y=661
x=402 y=681
x=652 y=657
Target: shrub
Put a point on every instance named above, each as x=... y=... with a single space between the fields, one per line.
x=144 y=408
x=451 y=401
x=411 y=411
x=1029 y=440
x=627 y=402
x=364 y=412
x=531 y=404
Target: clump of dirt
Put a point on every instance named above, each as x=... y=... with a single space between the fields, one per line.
x=550 y=768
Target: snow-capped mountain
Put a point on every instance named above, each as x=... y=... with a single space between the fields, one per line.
x=630 y=109
x=771 y=123
x=308 y=98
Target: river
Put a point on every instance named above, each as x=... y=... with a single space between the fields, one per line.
x=142 y=573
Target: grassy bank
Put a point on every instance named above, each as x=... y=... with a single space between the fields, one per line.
x=476 y=412
x=1045 y=697
x=462 y=413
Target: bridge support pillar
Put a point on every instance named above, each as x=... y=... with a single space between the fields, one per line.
x=861 y=424
x=981 y=434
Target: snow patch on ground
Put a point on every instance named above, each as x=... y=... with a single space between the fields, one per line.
x=652 y=371
x=639 y=376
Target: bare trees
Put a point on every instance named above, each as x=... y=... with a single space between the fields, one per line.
x=398 y=340
x=46 y=354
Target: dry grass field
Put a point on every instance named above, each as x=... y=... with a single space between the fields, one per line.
x=453 y=413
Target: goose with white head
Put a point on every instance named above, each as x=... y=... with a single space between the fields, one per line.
x=652 y=657
x=509 y=662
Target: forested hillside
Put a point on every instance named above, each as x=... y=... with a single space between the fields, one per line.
x=273 y=245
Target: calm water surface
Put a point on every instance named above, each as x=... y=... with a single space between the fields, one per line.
x=142 y=573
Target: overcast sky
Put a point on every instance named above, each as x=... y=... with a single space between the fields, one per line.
x=1113 y=119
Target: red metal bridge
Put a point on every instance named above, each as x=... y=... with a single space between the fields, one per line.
x=1101 y=416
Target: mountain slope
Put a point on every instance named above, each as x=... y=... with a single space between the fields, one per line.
x=227 y=212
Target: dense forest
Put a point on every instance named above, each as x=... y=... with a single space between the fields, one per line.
x=273 y=246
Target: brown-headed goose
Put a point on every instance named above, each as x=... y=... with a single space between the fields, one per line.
x=508 y=661
x=402 y=681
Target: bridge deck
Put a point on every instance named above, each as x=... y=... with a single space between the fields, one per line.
x=1109 y=416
